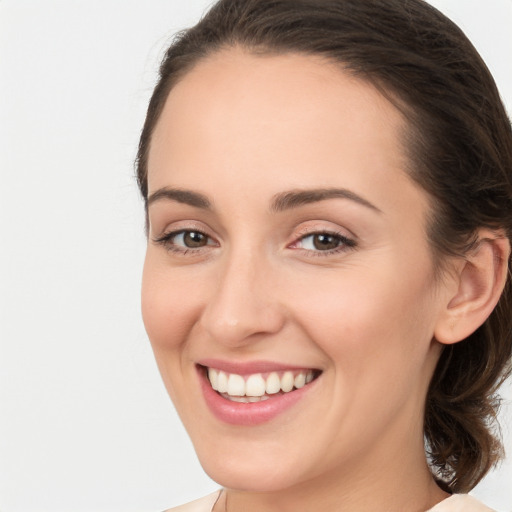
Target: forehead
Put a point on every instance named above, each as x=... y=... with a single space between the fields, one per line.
x=296 y=120
x=234 y=97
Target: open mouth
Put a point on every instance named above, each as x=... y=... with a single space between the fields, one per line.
x=258 y=387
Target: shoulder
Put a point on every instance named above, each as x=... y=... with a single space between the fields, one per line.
x=460 y=503
x=201 y=505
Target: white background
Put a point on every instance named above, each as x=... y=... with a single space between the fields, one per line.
x=85 y=424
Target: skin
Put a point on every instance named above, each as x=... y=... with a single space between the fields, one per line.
x=241 y=129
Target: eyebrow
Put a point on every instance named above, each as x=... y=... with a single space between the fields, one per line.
x=280 y=202
x=296 y=198
x=189 y=197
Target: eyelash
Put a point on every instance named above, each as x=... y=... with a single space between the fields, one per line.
x=166 y=240
x=344 y=243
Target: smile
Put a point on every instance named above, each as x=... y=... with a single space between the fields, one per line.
x=253 y=393
x=257 y=387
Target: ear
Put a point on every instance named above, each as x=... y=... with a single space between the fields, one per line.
x=478 y=281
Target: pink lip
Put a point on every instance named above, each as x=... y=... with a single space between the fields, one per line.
x=248 y=414
x=247 y=368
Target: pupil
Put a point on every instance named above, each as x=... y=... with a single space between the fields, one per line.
x=325 y=242
x=194 y=239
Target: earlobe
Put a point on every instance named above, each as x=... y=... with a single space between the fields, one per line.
x=479 y=282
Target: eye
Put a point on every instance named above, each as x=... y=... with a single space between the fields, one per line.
x=184 y=240
x=190 y=239
x=324 y=242
x=320 y=242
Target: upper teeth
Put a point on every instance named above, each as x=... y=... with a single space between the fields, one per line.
x=256 y=385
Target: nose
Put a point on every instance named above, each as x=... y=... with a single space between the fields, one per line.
x=244 y=305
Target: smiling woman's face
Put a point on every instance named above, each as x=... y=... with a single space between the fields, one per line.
x=287 y=248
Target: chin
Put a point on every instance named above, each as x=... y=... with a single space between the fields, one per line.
x=255 y=472
x=250 y=479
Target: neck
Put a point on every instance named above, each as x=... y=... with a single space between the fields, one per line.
x=391 y=479
x=409 y=494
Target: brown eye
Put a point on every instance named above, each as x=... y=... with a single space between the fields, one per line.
x=181 y=241
x=192 y=239
x=325 y=242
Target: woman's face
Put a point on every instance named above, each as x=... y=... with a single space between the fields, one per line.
x=287 y=244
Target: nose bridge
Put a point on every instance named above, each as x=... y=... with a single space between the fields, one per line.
x=244 y=302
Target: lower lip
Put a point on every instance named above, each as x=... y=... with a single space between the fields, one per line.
x=252 y=413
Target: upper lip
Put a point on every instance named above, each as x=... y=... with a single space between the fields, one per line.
x=250 y=367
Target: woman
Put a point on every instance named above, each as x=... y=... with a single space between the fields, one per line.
x=328 y=187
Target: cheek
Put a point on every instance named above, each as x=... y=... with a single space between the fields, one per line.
x=376 y=333
x=368 y=317
x=169 y=305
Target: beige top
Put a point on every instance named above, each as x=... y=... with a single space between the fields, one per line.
x=460 y=503
x=455 y=503
x=201 y=505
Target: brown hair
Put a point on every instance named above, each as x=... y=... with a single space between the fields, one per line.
x=460 y=148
